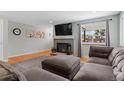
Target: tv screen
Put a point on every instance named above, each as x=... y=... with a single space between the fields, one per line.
x=63 y=29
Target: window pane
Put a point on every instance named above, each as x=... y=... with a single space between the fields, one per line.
x=94 y=32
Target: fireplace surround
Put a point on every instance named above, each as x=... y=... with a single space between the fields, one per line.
x=64 y=45
x=64 y=48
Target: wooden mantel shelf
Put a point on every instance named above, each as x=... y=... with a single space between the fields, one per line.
x=63 y=37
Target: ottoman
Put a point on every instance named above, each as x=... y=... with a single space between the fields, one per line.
x=63 y=65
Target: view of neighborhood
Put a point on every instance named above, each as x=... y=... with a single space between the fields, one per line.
x=94 y=33
x=96 y=36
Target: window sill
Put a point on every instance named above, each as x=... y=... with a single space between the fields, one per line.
x=89 y=43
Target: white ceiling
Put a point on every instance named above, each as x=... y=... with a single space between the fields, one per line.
x=40 y=18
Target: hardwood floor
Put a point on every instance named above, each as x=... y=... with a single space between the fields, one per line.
x=83 y=59
x=13 y=60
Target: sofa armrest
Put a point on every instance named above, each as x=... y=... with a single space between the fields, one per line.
x=38 y=74
x=100 y=51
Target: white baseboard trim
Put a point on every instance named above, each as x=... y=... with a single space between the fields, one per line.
x=21 y=54
x=4 y=60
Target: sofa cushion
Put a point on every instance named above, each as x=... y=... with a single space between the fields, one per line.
x=38 y=74
x=95 y=72
x=117 y=60
x=120 y=65
x=102 y=52
x=120 y=74
x=66 y=66
x=102 y=61
x=114 y=53
x=119 y=70
x=9 y=73
x=120 y=77
x=5 y=75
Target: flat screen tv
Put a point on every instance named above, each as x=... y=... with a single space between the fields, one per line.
x=63 y=29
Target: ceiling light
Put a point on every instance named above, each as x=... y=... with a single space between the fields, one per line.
x=50 y=22
x=93 y=12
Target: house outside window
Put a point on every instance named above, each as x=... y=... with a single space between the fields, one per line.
x=93 y=33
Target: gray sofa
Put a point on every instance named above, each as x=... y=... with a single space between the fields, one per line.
x=104 y=64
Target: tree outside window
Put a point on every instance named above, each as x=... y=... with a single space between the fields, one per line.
x=94 y=33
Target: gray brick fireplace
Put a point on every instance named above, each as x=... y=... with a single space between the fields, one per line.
x=64 y=43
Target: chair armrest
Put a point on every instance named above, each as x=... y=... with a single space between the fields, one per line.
x=100 y=51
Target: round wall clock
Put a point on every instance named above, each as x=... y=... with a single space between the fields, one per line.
x=16 y=31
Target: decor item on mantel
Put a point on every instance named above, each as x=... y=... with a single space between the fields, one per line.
x=35 y=34
x=53 y=50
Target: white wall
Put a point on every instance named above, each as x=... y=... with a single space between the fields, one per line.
x=114 y=33
x=122 y=28
x=19 y=45
x=3 y=39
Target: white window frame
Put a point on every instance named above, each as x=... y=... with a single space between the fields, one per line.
x=1 y=39
x=122 y=30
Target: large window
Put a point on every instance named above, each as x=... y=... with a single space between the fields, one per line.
x=94 y=33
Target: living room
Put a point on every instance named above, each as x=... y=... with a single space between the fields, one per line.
x=30 y=40
x=53 y=46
